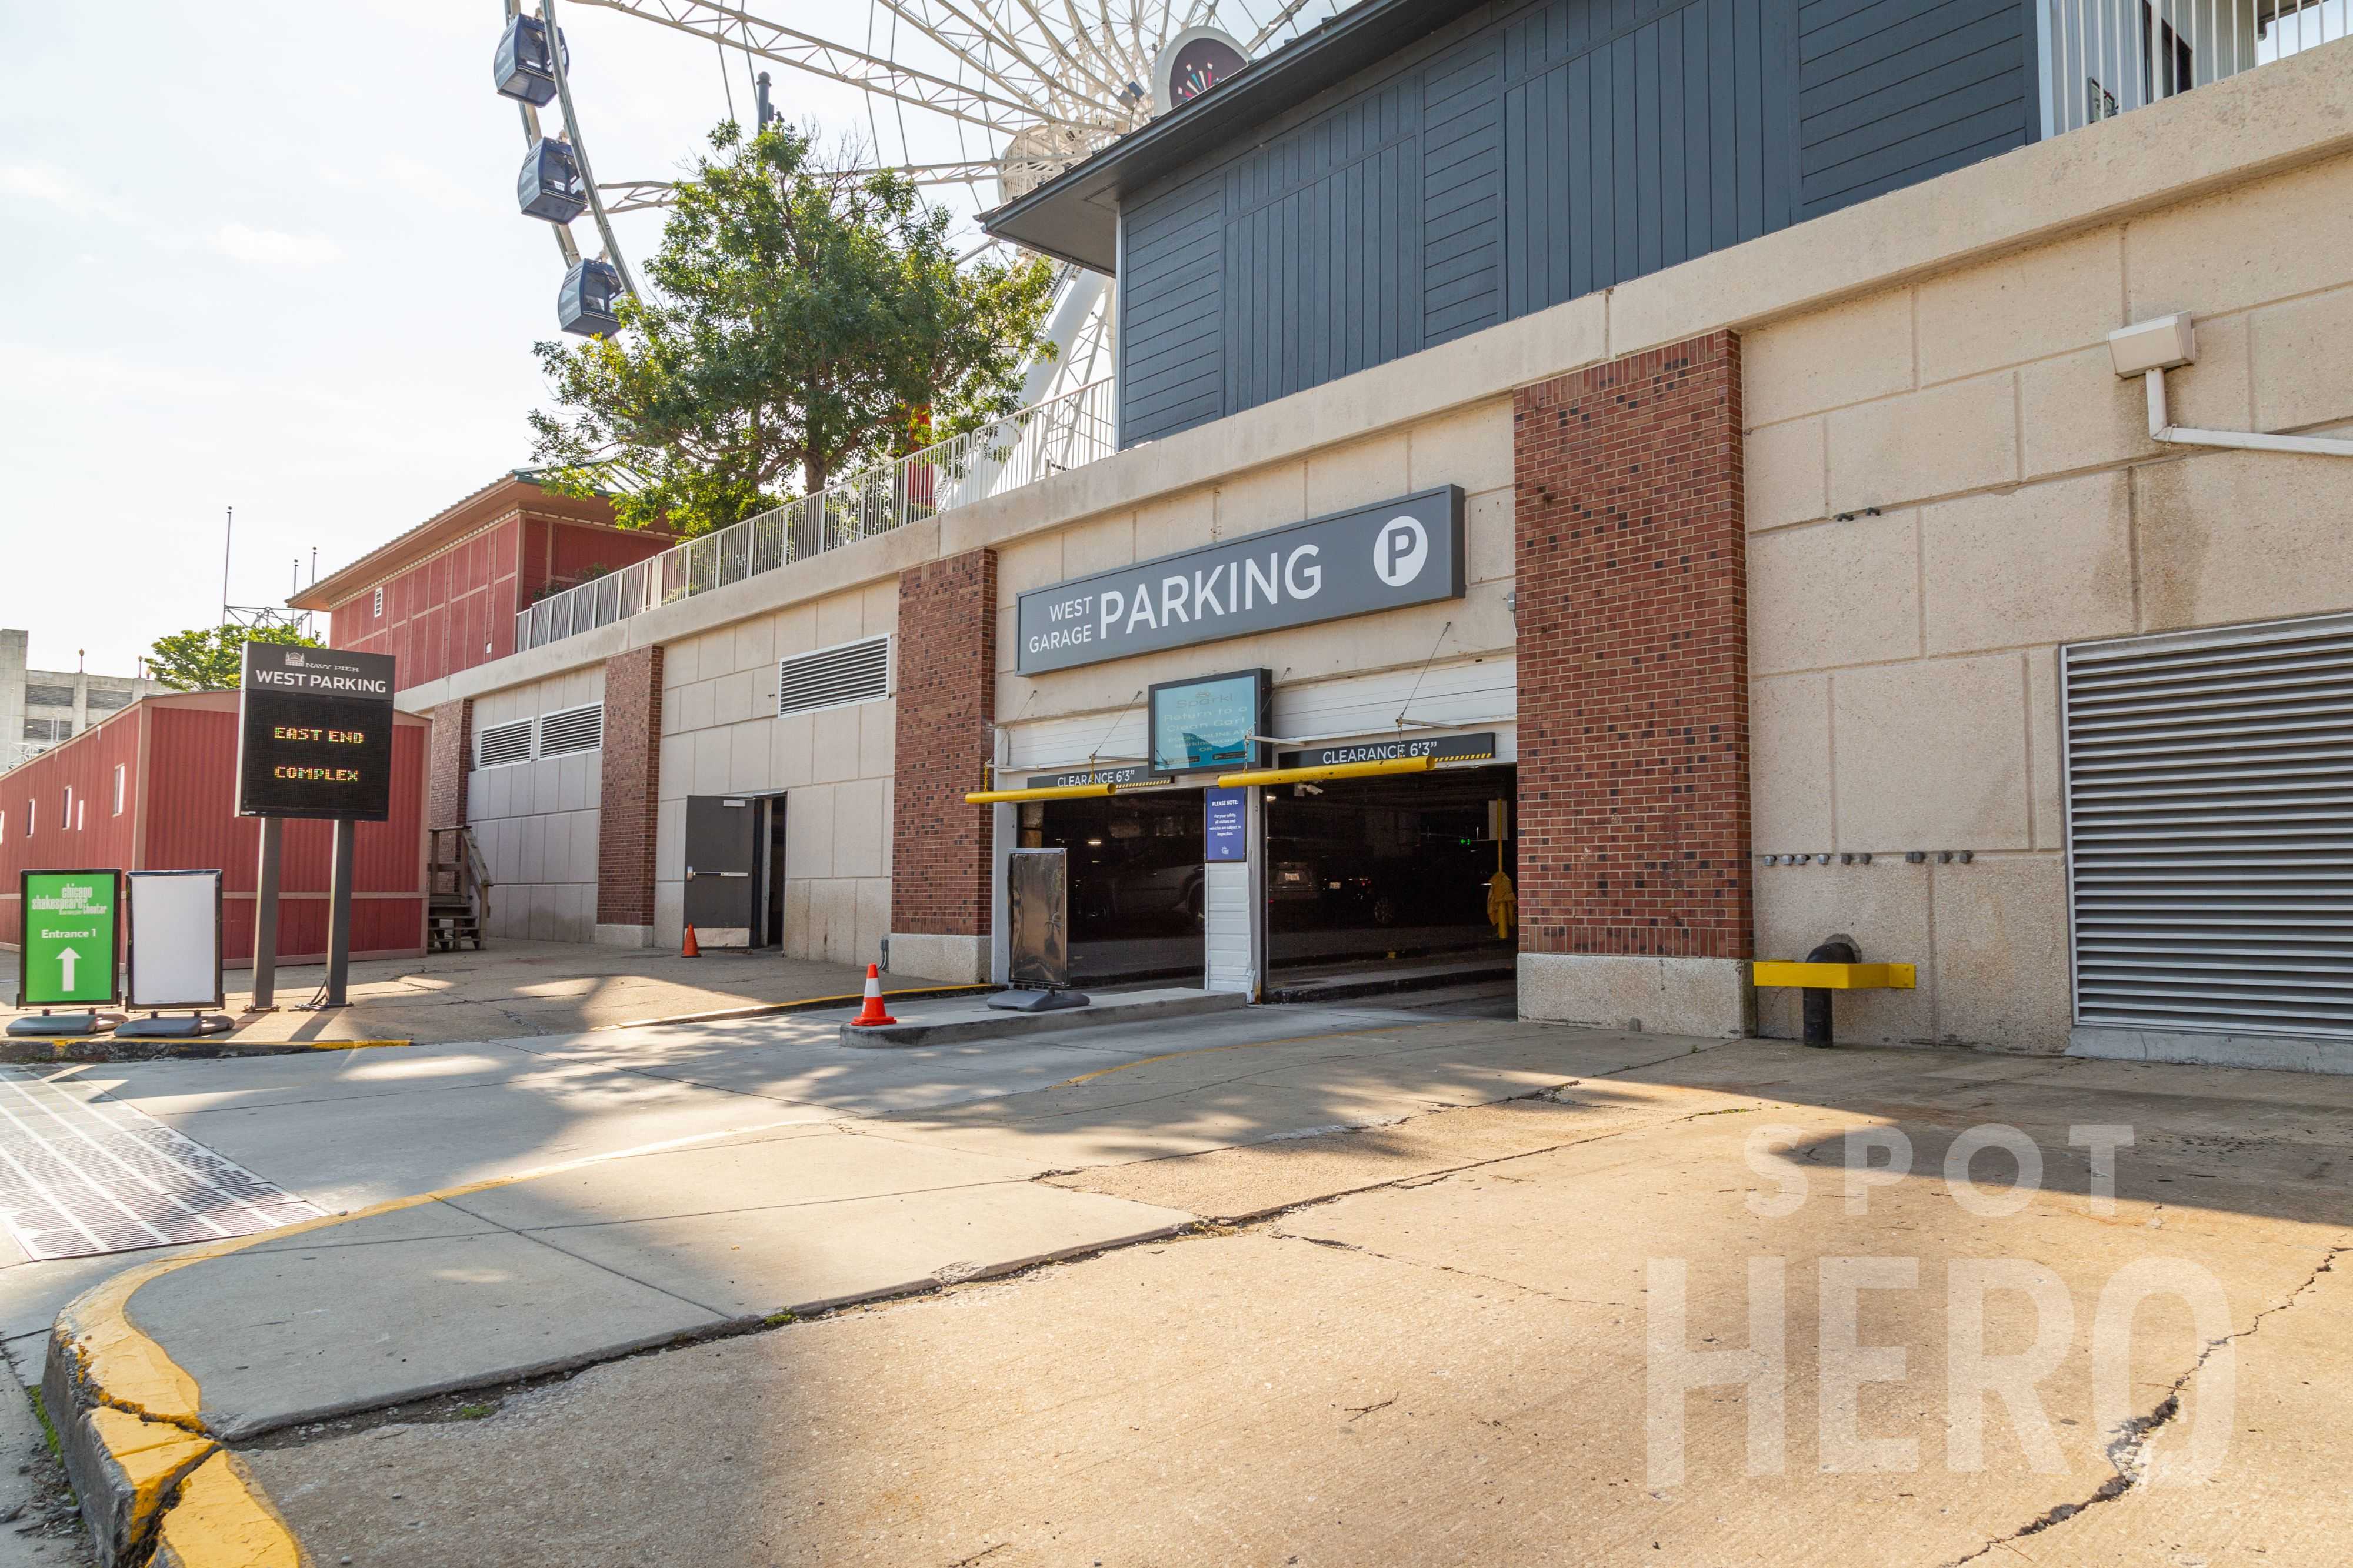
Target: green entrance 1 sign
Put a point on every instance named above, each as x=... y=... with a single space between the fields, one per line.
x=72 y=932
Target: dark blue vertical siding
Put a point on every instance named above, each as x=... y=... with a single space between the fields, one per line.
x=1174 y=313
x=1644 y=145
x=1560 y=147
x=1891 y=93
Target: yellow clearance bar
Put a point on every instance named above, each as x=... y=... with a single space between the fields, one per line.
x=1315 y=775
x=1836 y=976
x=1065 y=792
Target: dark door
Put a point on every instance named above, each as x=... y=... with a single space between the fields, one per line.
x=723 y=842
x=773 y=888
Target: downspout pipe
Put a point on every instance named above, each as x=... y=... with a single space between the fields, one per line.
x=2151 y=347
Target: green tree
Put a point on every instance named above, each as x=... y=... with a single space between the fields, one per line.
x=803 y=320
x=210 y=658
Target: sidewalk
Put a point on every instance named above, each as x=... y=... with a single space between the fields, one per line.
x=516 y=989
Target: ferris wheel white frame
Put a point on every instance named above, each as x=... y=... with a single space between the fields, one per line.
x=1053 y=97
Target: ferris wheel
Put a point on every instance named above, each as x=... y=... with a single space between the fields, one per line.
x=992 y=96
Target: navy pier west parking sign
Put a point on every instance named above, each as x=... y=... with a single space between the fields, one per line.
x=1381 y=557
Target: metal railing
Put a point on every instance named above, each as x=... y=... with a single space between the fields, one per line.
x=2101 y=57
x=1060 y=434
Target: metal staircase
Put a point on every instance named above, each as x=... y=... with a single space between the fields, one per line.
x=458 y=892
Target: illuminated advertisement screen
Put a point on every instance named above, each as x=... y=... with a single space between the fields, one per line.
x=314 y=734
x=1206 y=724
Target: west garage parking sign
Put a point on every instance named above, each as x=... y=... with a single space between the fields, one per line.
x=1382 y=557
x=315 y=735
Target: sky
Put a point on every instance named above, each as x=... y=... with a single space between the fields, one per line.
x=266 y=254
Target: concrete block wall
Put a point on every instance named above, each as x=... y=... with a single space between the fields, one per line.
x=1947 y=481
x=720 y=735
x=538 y=822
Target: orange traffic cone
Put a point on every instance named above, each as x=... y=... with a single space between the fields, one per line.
x=691 y=950
x=872 y=1015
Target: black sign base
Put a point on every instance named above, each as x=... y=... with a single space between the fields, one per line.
x=49 y=1023
x=1039 y=1001
x=195 y=1026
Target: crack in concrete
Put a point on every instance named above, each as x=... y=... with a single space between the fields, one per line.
x=2127 y=1452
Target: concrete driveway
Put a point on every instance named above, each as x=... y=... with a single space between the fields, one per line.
x=1342 y=1285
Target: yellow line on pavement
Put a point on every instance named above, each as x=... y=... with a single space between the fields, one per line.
x=134 y=1385
x=1242 y=1045
x=222 y=1520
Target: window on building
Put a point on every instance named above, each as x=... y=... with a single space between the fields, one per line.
x=65 y=817
x=81 y=814
x=105 y=700
x=32 y=814
x=121 y=781
x=48 y=696
x=48 y=729
x=4 y=827
x=379 y=601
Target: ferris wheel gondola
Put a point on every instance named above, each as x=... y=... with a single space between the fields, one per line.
x=1016 y=90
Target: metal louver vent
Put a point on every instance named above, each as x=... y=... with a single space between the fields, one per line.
x=574 y=730
x=835 y=677
x=2209 y=826
x=503 y=743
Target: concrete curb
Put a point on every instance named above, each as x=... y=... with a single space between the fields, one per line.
x=804 y=1005
x=1006 y=1026
x=138 y=1455
x=29 y=1050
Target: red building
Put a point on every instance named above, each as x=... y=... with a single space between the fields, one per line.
x=443 y=596
x=154 y=788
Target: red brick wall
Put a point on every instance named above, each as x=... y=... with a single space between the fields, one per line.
x=947 y=707
x=631 y=788
x=1633 y=657
x=450 y=759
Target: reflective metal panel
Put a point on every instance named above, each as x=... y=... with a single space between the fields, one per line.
x=1036 y=893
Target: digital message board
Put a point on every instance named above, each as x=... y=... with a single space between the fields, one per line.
x=314 y=734
x=1204 y=723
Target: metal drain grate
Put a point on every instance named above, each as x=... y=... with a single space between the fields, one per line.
x=81 y=1174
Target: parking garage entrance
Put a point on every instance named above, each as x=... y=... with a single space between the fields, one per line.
x=1137 y=884
x=1397 y=872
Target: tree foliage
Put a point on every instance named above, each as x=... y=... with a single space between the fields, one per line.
x=210 y=658
x=804 y=321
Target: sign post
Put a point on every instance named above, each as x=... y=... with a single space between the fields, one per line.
x=314 y=740
x=73 y=927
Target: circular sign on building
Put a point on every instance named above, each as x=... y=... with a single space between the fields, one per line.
x=1194 y=62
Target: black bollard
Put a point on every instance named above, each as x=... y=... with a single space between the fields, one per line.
x=1815 y=1001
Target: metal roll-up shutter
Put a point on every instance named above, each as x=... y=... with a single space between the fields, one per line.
x=2209 y=828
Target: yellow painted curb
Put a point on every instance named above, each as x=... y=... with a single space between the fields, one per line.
x=222 y=1520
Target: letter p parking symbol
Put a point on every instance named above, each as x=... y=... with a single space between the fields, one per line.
x=1399 y=550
